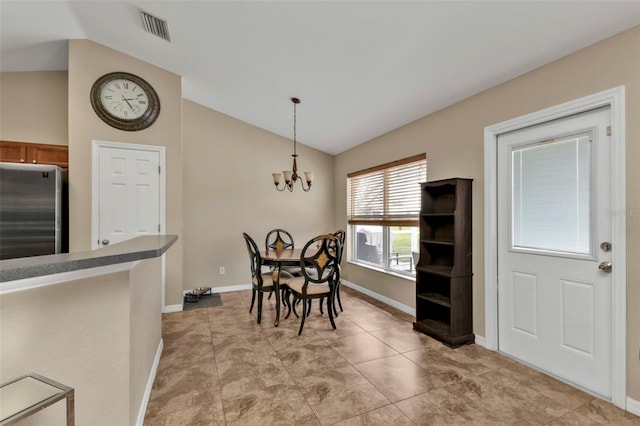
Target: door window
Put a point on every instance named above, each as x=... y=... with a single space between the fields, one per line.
x=551 y=196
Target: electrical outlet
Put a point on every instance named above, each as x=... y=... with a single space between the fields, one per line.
x=221 y=271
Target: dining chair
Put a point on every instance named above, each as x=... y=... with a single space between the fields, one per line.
x=261 y=282
x=318 y=265
x=341 y=236
x=280 y=239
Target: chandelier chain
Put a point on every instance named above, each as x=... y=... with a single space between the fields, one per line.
x=294 y=128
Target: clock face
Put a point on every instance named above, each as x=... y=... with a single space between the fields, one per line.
x=125 y=101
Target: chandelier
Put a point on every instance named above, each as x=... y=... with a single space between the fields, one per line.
x=291 y=176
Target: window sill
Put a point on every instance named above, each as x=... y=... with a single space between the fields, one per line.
x=411 y=278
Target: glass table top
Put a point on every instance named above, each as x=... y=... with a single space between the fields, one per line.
x=25 y=393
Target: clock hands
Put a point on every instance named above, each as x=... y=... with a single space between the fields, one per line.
x=127 y=101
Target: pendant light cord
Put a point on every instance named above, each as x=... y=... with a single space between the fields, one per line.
x=294 y=128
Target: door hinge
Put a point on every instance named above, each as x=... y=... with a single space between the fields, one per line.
x=159 y=170
x=608 y=130
x=158 y=227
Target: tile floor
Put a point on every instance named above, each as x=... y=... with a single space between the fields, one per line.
x=219 y=367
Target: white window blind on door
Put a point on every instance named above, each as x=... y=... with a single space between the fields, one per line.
x=551 y=193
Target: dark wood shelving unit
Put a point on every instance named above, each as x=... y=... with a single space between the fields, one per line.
x=444 y=272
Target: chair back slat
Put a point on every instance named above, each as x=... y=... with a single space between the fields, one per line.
x=254 y=257
x=341 y=235
x=279 y=239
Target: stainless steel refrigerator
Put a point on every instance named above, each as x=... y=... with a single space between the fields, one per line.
x=32 y=210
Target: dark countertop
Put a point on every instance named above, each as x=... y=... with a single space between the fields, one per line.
x=138 y=248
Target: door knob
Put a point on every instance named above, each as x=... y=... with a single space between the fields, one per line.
x=605 y=266
x=105 y=242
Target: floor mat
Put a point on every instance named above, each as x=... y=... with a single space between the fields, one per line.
x=204 y=301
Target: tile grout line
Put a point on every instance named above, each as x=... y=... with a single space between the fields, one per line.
x=290 y=376
x=570 y=411
x=215 y=359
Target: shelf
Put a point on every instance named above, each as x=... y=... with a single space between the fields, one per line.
x=437 y=298
x=439 y=242
x=433 y=327
x=445 y=271
x=438 y=214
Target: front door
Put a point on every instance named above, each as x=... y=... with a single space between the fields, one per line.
x=129 y=194
x=554 y=248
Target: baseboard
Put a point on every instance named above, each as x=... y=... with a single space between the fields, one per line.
x=481 y=341
x=633 y=406
x=384 y=299
x=231 y=288
x=172 y=308
x=150 y=380
x=227 y=289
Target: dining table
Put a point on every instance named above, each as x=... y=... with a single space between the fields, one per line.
x=278 y=259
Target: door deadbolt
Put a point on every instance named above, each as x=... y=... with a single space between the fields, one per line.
x=605 y=246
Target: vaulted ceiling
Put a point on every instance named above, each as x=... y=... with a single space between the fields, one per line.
x=361 y=68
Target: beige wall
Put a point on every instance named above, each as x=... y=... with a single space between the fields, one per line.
x=33 y=107
x=228 y=190
x=88 y=61
x=98 y=335
x=453 y=141
x=145 y=327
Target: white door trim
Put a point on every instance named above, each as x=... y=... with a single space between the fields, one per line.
x=615 y=99
x=95 y=191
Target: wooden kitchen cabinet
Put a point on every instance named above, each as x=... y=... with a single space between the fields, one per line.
x=34 y=153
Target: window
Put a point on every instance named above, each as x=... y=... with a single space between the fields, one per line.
x=383 y=209
x=551 y=195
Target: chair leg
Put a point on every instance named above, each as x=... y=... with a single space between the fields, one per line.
x=253 y=299
x=330 y=309
x=304 y=315
x=288 y=305
x=260 y=297
x=309 y=307
x=284 y=297
x=295 y=302
x=321 y=303
x=338 y=296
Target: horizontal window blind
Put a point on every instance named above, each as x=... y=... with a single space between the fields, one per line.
x=387 y=195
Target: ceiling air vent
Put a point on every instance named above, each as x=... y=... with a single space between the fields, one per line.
x=155 y=25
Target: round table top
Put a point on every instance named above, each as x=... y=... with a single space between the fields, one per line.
x=285 y=255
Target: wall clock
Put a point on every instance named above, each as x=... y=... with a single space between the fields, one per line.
x=125 y=101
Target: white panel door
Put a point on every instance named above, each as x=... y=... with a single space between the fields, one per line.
x=554 y=300
x=129 y=199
